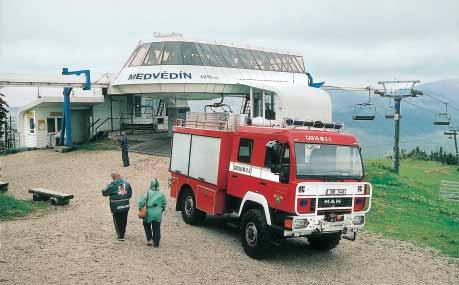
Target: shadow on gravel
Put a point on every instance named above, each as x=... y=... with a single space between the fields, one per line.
x=287 y=251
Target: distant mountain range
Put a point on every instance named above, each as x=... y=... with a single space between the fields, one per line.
x=418 y=114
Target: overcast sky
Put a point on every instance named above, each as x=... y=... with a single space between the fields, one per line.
x=343 y=42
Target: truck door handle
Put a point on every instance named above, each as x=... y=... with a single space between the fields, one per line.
x=263 y=183
x=234 y=176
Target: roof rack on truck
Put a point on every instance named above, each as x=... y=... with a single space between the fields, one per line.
x=230 y=122
x=212 y=121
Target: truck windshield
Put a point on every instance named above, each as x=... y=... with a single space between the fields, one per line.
x=320 y=160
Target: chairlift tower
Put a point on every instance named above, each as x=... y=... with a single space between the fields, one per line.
x=397 y=94
x=453 y=133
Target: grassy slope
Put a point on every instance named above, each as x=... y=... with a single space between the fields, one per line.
x=11 y=207
x=407 y=207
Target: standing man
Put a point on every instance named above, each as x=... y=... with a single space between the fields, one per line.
x=123 y=140
x=119 y=191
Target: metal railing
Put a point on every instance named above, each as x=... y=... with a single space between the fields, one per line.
x=449 y=190
x=212 y=121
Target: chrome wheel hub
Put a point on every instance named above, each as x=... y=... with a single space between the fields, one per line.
x=251 y=234
x=189 y=205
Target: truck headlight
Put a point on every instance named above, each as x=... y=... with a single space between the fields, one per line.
x=300 y=224
x=358 y=220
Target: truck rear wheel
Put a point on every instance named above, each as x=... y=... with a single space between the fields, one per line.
x=325 y=242
x=190 y=214
x=254 y=233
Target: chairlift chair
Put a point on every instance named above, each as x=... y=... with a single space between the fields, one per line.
x=443 y=119
x=364 y=111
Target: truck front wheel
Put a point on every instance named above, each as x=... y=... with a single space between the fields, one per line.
x=190 y=214
x=325 y=242
x=254 y=233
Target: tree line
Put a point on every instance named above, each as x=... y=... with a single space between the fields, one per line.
x=440 y=155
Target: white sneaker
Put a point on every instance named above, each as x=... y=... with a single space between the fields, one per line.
x=150 y=243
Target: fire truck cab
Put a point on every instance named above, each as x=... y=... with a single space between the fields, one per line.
x=293 y=179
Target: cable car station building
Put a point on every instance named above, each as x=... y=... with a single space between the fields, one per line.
x=161 y=77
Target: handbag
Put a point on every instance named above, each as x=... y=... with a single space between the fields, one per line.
x=143 y=211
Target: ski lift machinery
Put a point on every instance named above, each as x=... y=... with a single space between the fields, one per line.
x=365 y=111
x=443 y=119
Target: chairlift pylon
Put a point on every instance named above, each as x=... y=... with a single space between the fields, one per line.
x=444 y=118
x=365 y=111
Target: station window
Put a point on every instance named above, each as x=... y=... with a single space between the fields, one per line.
x=140 y=55
x=299 y=60
x=205 y=53
x=262 y=60
x=273 y=62
x=31 y=125
x=245 y=150
x=291 y=62
x=59 y=124
x=155 y=54
x=218 y=59
x=285 y=62
x=247 y=59
x=278 y=61
x=231 y=57
x=54 y=124
x=51 y=122
x=172 y=53
x=190 y=54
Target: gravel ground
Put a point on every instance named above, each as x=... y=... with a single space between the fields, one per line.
x=76 y=244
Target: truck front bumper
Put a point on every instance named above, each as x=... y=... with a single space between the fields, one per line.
x=309 y=225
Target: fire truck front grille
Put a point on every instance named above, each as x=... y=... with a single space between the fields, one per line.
x=334 y=202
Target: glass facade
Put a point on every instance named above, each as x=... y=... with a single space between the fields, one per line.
x=188 y=53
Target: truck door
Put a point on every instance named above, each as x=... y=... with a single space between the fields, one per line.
x=241 y=170
x=275 y=191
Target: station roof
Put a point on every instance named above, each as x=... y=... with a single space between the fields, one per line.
x=76 y=101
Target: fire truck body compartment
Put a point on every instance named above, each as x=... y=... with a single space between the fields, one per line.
x=201 y=161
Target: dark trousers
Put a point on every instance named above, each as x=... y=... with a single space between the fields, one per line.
x=120 y=221
x=125 y=157
x=153 y=231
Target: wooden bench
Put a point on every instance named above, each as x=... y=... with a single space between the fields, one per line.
x=56 y=198
x=3 y=186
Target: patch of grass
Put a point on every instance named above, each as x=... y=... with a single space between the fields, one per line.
x=105 y=144
x=11 y=208
x=407 y=207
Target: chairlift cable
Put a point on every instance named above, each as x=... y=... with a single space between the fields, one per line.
x=441 y=101
x=421 y=107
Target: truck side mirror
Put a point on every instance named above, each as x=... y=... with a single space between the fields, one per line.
x=284 y=173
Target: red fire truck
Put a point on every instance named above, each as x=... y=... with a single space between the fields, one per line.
x=296 y=179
